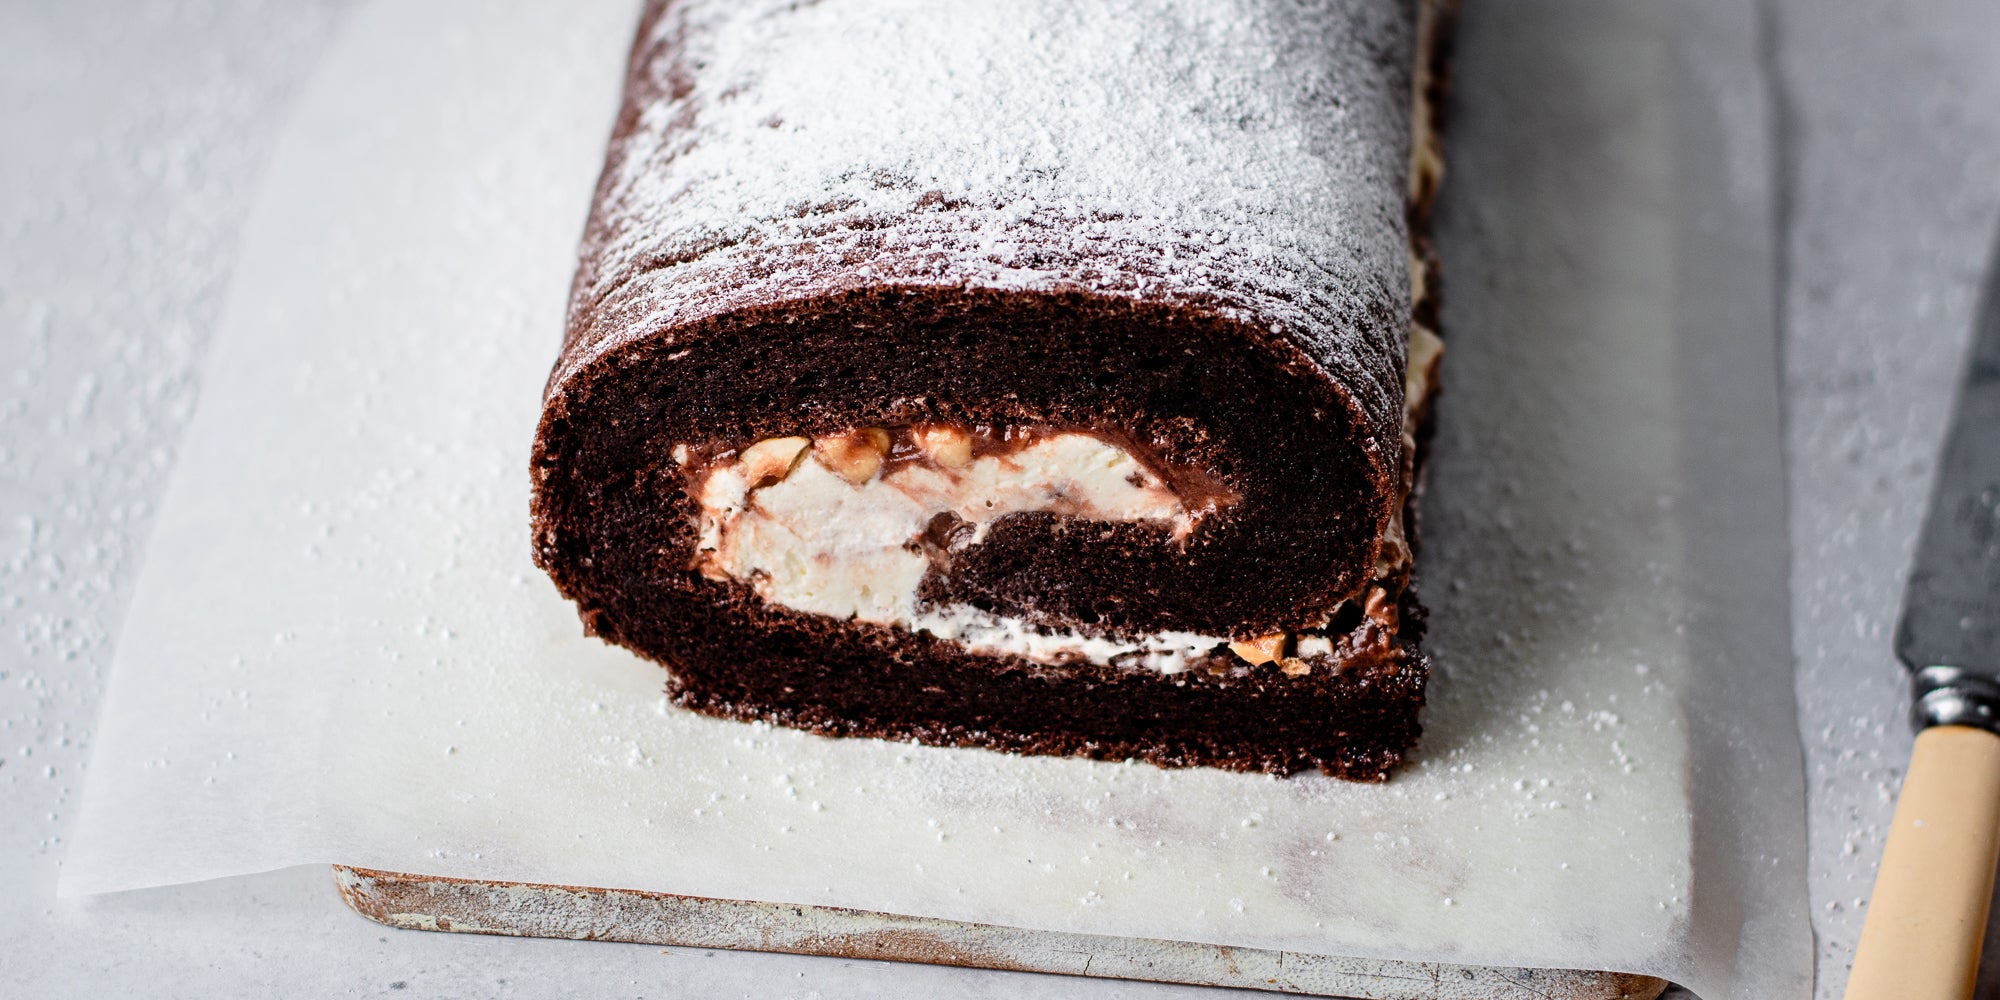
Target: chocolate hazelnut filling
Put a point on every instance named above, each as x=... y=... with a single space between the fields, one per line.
x=863 y=524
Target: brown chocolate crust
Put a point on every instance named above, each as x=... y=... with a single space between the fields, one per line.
x=1296 y=411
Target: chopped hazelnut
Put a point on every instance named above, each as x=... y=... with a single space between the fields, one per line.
x=1260 y=650
x=1420 y=368
x=950 y=447
x=1315 y=645
x=855 y=456
x=1395 y=551
x=1425 y=347
x=1380 y=609
x=772 y=458
x=1292 y=666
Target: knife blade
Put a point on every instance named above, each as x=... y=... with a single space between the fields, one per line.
x=1949 y=636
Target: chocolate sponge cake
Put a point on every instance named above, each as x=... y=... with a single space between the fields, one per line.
x=1033 y=375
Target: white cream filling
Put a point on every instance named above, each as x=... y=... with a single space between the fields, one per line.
x=790 y=519
x=983 y=632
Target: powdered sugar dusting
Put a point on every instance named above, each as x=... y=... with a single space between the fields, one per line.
x=485 y=738
x=1247 y=156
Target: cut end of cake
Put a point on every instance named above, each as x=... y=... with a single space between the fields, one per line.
x=974 y=455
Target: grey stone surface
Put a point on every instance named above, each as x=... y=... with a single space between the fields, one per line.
x=1892 y=165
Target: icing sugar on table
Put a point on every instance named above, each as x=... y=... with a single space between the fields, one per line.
x=340 y=651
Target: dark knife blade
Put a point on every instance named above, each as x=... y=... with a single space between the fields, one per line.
x=1951 y=608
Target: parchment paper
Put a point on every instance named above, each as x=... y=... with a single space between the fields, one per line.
x=340 y=651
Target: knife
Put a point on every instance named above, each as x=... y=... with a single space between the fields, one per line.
x=1927 y=917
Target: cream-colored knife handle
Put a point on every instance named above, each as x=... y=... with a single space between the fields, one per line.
x=1928 y=915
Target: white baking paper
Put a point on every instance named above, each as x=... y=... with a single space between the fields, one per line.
x=340 y=651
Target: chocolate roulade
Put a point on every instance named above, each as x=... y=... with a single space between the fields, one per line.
x=1032 y=375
